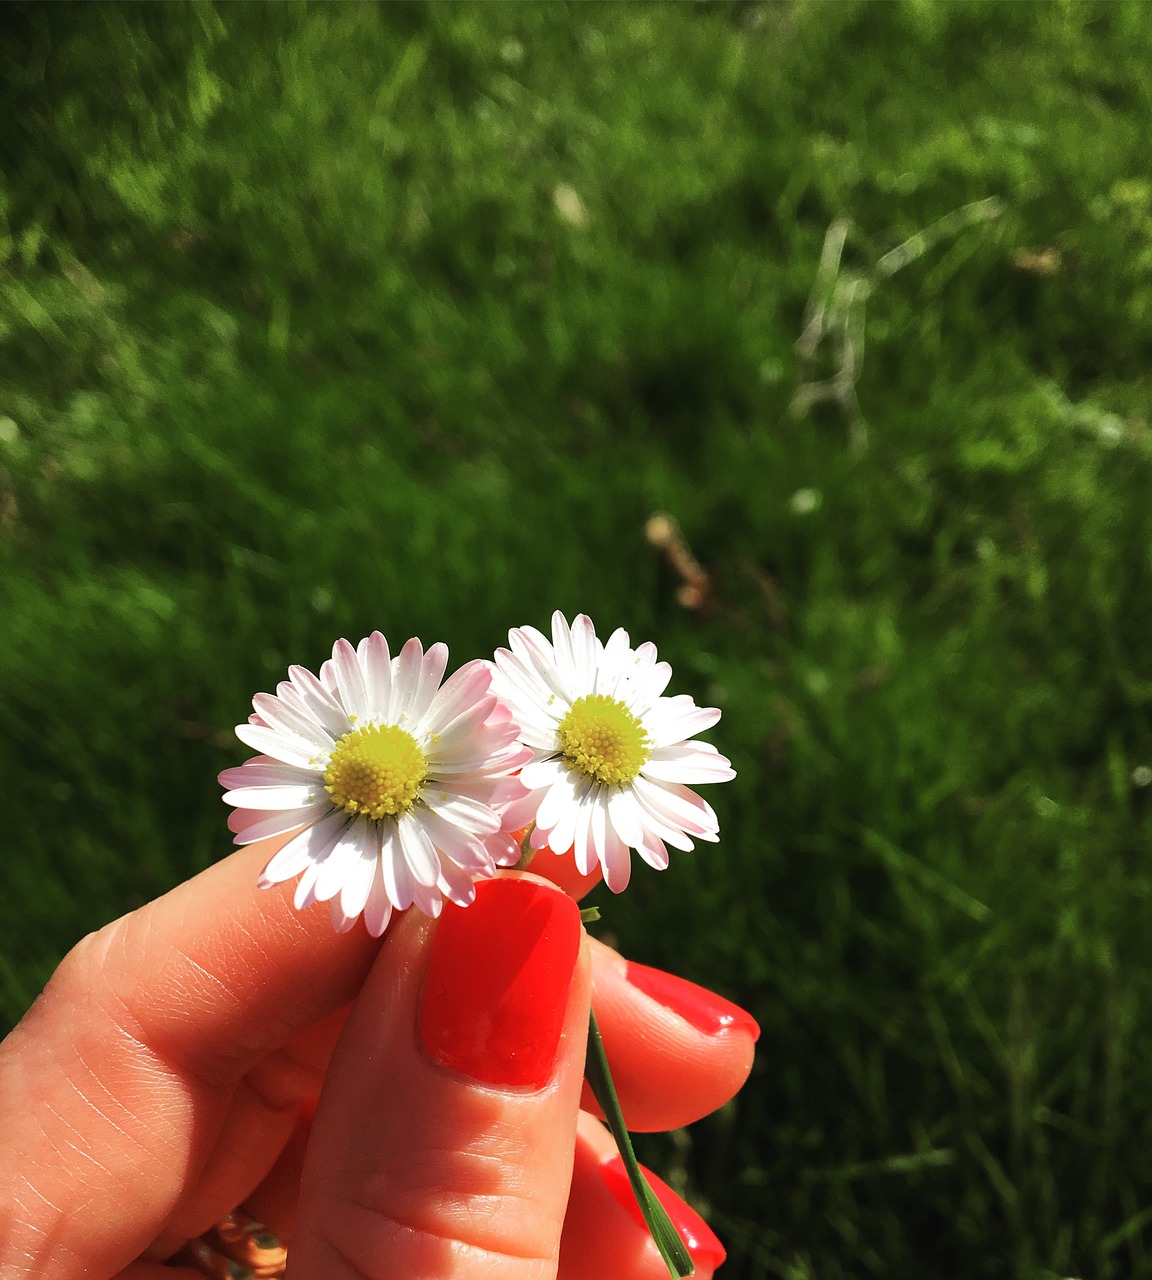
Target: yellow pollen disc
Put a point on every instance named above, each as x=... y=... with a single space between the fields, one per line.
x=601 y=738
x=376 y=771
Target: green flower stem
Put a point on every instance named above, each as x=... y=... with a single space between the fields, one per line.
x=659 y=1224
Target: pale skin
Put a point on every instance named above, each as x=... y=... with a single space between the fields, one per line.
x=159 y=1081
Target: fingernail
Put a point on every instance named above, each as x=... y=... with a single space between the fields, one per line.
x=498 y=980
x=699 y=1238
x=702 y=1009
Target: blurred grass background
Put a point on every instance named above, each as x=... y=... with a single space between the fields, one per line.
x=315 y=319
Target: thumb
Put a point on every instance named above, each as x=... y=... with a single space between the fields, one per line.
x=443 y=1142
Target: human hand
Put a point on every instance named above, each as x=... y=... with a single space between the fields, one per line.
x=159 y=1081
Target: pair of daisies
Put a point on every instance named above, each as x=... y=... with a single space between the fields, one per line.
x=398 y=788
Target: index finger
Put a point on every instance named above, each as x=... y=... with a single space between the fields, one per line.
x=113 y=1086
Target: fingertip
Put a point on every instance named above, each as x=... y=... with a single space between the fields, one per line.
x=674 y=1058
x=605 y=1232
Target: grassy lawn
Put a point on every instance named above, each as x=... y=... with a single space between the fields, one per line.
x=315 y=319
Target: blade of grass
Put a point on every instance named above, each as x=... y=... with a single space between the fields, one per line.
x=659 y=1224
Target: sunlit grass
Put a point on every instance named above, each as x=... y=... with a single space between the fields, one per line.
x=317 y=319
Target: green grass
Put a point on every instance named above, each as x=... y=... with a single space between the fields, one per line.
x=295 y=341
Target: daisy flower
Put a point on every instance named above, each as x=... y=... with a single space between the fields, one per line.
x=612 y=760
x=393 y=783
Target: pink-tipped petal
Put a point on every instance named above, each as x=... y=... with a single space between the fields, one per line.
x=407 y=669
x=616 y=861
x=419 y=853
x=304 y=851
x=669 y=724
x=280 y=746
x=350 y=681
x=431 y=673
x=376 y=666
x=692 y=763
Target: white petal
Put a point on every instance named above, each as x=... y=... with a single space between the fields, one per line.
x=584 y=847
x=565 y=658
x=340 y=922
x=677 y=719
x=684 y=808
x=688 y=762
x=251 y=825
x=493 y=793
x=582 y=850
x=616 y=861
x=457 y=693
x=478 y=757
x=294 y=797
x=502 y=849
x=431 y=673
x=335 y=868
x=538 y=732
x=543 y=773
x=310 y=847
x=539 y=657
x=419 y=852
x=358 y=882
x=291 y=715
x=654 y=852
x=517 y=682
x=407 y=668
x=328 y=681
x=456 y=733
x=376 y=665
x=597 y=828
x=467 y=851
x=586 y=652
x=647 y=688
x=560 y=796
x=462 y=811
x=319 y=701
x=305 y=894
x=258 y=773
x=398 y=880
x=456 y=884
x=286 y=863
x=562 y=827
x=519 y=813
x=658 y=823
x=429 y=899
x=280 y=746
x=626 y=817
x=617 y=656
x=350 y=681
x=639 y=666
x=378 y=909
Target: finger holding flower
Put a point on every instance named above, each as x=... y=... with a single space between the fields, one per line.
x=176 y=1061
x=571 y=742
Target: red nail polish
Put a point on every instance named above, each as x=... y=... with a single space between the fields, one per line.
x=498 y=981
x=699 y=1238
x=703 y=1009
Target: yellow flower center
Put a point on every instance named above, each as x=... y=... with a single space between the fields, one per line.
x=601 y=738
x=376 y=771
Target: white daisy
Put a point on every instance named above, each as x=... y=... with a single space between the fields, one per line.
x=612 y=760
x=393 y=783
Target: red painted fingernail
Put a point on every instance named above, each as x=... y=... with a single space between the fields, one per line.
x=703 y=1009
x=498 y=981
x=699 y=1238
